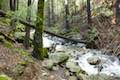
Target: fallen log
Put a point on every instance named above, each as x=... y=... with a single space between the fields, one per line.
x=7 y=37
x=3 y=14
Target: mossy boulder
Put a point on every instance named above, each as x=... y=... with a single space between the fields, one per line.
x=94 y=77
x=58 y=57
x=4 y=77
x=82 y=76
x=72 y=78
x=73 y=67
x=48 y=64
x=100 y=77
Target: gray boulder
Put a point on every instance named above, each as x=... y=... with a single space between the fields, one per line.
x=58 y=57
x=94 y=60
x=73 y=67
x=48 y=64
x=72 y=78
x=99 y=77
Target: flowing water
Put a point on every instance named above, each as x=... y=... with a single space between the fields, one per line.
x=109 y=64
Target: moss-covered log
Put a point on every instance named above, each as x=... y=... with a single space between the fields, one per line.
x=38 y=51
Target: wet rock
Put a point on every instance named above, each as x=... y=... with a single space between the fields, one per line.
x=45 y=74
x=67 y=73
x=73 y=67
x=99 y=77
x=60 y=48
x=72 y=78
x=52 y=77
x=55 y=68
x=94 y=60
x=5 y=77
x=81 y=76
x=48 y=64
x=59 y=57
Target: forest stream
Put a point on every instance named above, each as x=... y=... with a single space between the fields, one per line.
x=92 y=61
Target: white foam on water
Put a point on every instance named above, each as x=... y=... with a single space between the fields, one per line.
x=110 y=67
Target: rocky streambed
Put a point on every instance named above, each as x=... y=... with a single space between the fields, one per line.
x=80 y=62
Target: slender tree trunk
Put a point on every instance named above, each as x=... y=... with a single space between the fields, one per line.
x=48 y=18
x=52 y=13
x=13 y=6
x=117 y=10
x=17 y=2
x=66 y=15
x=38 y=51
x=88 y=12
x=27 y=28
x=5 y=5
x=1 y=4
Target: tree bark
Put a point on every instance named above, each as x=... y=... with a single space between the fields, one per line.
x=88 y=12
x=52 y=13
x=5 y=5
x=48 y=14
x=66 y=16
x=27 y=28
x=13 y=7
x=117 y=10
x=38 y=51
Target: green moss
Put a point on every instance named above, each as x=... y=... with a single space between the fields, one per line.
x=4 y=77
x=2 y=38
x=45 y=52
x=23 y=63
x=39 y=52
x=8 y=44
x=24 y=54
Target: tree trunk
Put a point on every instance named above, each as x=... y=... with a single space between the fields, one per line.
x=117 y=10
x=88 y=12
x=1 y=4
x=27 y=28
x=52 y=13
x=48 y=14
x=38 y=51
x=13 y=7
x=66 y=15
x=4 y=5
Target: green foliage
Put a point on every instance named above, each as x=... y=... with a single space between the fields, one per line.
x=4 y=21
x=102 y=7
x=91 y=34
x=20 y=27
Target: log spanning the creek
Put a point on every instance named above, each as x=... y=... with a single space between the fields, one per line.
x=24 y=22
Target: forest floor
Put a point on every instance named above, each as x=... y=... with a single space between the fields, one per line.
x=19 y=67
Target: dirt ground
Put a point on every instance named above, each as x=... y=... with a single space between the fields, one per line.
x=10 y=64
